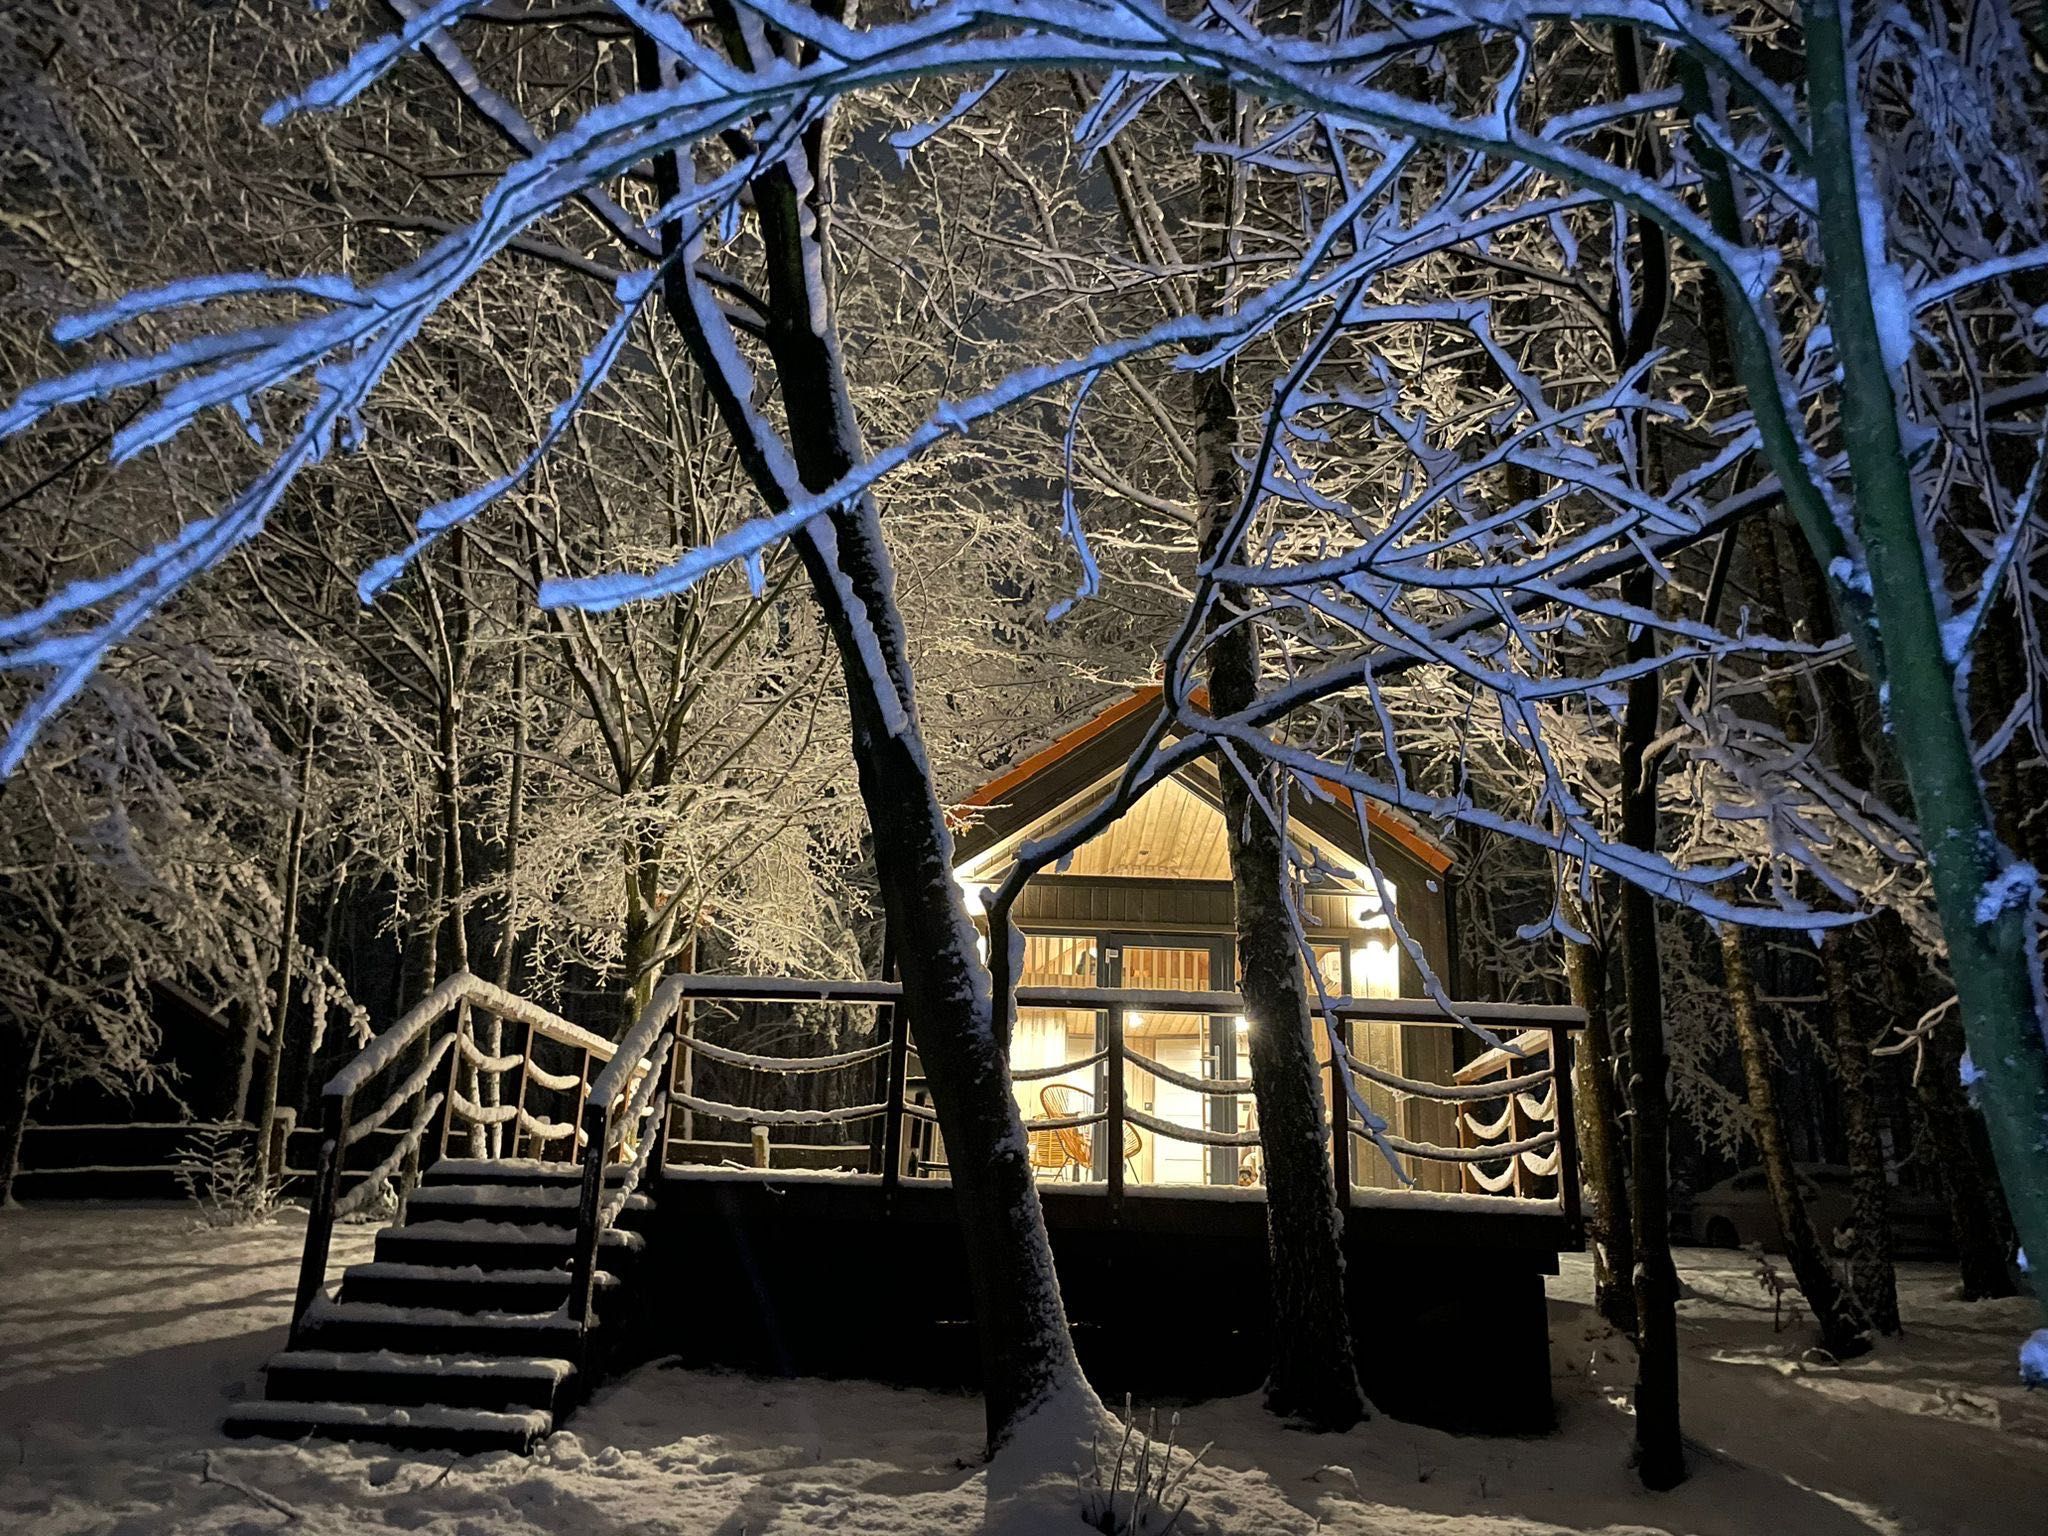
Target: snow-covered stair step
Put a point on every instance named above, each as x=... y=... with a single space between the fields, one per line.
x=538 y=1204
x=463 y=1288
x=501 y=1383
x=367 y=1325
x=514 y=1170
x=499 y=1244
x=417 y=1426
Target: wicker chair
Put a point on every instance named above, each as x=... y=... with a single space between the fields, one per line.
x=1063 y=1101
x=1048 y=1153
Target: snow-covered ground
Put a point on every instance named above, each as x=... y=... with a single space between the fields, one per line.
x=125 y=1334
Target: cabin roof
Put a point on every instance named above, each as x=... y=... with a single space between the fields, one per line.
x=1053 y=776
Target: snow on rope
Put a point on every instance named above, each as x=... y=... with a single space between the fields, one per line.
x=1033 y=1074
x=1448 y=1093
x=1542 y=1167
x=1493 y=1183
x=1429 y=1151
x=1488 y=1132
x=1214 y=1087
x=405 y=1090
x=1065 y=1122
x=477 y=1114
x=786 y=1064
x=742 y=1114
x=615 y=1202
x=1206 y=1138
x=561 y=1082
x=547 y=1130
x=637 y=1102
x=380 y=1175
x=493 y=1065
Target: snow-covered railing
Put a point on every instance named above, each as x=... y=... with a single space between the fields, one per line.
x=1531 y=1072
x=624 y=1120
x=1520 y=1144
x=439 y=1073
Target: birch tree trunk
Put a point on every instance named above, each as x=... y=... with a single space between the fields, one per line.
x=17 y=1096
x=1596 y=1101
x=1872 y=1280
x=1818 y=1282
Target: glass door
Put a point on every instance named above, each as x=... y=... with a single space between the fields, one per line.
x=1190 y=1044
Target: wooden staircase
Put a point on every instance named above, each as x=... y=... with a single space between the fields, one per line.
x=457 y=1335
x=481 y=1320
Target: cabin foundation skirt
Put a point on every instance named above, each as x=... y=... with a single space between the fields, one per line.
x=830 y=1275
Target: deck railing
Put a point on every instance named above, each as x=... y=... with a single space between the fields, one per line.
x=1538 y=1155
x=440 y=1081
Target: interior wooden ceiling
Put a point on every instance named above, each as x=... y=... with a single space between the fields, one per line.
x=1173 y=833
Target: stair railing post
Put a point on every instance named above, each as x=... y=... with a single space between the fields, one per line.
x=1114 y=1087
x=334 y=1116
x=519 y=1100
x=596 y=1122
x=892 y=1098
x=1567 y=1138
x=455 y=1059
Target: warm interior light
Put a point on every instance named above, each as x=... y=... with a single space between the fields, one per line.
x=1376 y=966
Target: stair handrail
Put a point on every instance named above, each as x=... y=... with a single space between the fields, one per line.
x=340 y=1129
x=634 y=1086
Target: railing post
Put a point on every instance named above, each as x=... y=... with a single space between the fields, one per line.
x=892 y=1113
x=596 y=1123
x=582 y=1100
x=1561 y=1046
x=334 y=1113
x=454 y=1078
x=683 y=1074
x=1115 y=1093
x=1340 y=1114
x=519 y=1103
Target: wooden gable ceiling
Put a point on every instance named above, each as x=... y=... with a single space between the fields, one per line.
x=1173 y=833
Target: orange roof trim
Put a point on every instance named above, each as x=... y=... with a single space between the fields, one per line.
x=1424 y=848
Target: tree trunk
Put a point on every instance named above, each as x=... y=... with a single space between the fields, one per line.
x=1600 y=1132
x=1027 y=1354
x=287 y=956
x=1840 y=1333
x=17 y=1097
x=1968 y=1189
x=508 y=938
x=1981 y=893
x=1872 y=1280
x=1313 y=1376
x=1660 y=1447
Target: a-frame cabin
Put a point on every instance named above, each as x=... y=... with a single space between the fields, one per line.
x=1147 y=905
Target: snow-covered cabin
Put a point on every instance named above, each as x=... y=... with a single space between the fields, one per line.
x=1147 y=905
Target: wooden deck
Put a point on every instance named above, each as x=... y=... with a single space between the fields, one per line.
x=835 y=1274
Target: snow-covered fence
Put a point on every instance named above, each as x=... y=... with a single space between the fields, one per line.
x=433 y=1076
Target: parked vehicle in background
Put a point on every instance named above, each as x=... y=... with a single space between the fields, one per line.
x=1738 y=1213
